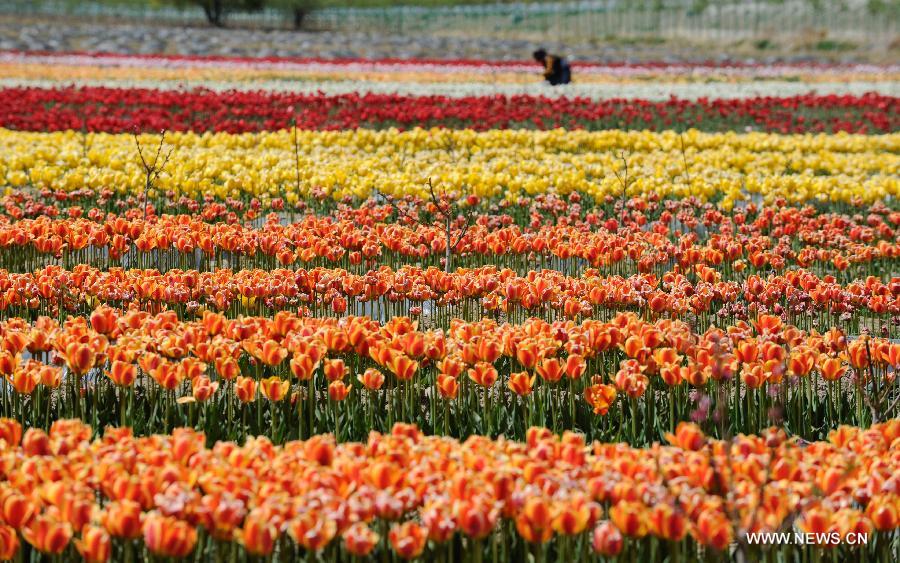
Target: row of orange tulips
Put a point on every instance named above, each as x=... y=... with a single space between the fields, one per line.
x=404 y=495
x=362 y=239
x=290 y=377
x=697 y=295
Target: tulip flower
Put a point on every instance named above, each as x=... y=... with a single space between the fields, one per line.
x=94 y=545
x=360 y=540
x=371 y=379
x=274 y=388
x=168 y=537
x=338 y=391
x=408 y=539
x=606 y=540
x=47 y=534
x=245 y=389
x=9 y=542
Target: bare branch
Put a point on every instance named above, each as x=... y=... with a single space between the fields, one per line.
x=463 y=233
x=151 y=171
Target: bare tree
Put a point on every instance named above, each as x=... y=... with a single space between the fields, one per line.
x=152 y=170
x=447 y=212
x=881 y=400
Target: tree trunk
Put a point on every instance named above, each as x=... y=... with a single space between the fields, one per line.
x=299 y=16
x=213 y=10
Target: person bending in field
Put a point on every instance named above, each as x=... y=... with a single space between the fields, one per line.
x=556 y=68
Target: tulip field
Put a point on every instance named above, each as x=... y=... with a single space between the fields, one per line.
x=300 y=309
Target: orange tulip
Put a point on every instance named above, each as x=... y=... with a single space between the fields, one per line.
x=123 y=519
x=413 y=344
x=550 y=370
x=801 y=362
x=222 y=514
x=259 y=534
x=768 y=324
x=303 y=366
x=527 y=354
x=688 y=436
x=576 y=366
x=831 y=369
x=858 y=351
x=573 y=517
x=452 y=367
x=747 y=351
x=338 y=390
x=448 y=386
x=360 y=540
x=632 y=381
x=335 y=369
x=371 y=379
x=600 y=397
x=668 y=523
x=815 y=520
x=9 y=542
x=483 y=374
x=94 y=544
x=713 y=529
x=884 y=511
x=535 y=521
x=674 y=375
x=403 y=367
x=8 y=363
x=607 y=540
x=754 y=375
x=36 y=442
x=50 y=376
x=438 y=520
x=408 y=539
x=168 y=537
x=104 y=319
x=630 y=517
x=272 y=353
x=274 y=388
x=227 y=367
x=320 y=449
x=245 y=389
x=202 y=389
x=48 y=534
x=80 y=357
x=77 y=510
x=25 y=380
x=520 y=383
x=477 y=517
x=167 y=375
x=312 y=531
x=634 y=347
x=16 y=509
x=488 y=349
x=10 y=431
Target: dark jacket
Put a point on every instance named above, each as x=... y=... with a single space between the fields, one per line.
x=557 y=70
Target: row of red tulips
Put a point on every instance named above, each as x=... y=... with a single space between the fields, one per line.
x=123 y=110
x=405 y=495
